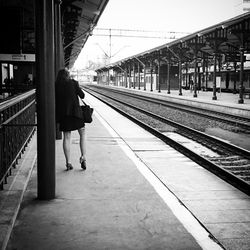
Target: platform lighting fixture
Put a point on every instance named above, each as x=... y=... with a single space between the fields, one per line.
x=91 y=28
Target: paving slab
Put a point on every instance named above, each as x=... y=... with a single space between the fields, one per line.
x=109 y=206
x=185 y=179
x=113 y=206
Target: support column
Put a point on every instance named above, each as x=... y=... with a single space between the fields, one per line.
x=144 y=72
x=195 y=76
x=139 y=80
x=134 y=75
x=59 y=55
x=108 y=76
x=151 y=76
x=126 y=77
x=97 y=77
x=129 y=76
x=114 y=74
x=241 y=86
x=214 y=77
x=100 y=77
x=206 y=79
x=235 y=75
x=168 y=77
x=186 y=79
x=45 y=70
x=122 y=78
x=180 y=78
x=159 y=71
x=203 y=74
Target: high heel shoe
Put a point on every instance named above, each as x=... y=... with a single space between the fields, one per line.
x=83 y=163
x=69 y=166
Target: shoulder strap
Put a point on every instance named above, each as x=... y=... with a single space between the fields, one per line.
x=83 y=102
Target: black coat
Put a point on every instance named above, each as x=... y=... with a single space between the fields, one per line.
x=67 y=102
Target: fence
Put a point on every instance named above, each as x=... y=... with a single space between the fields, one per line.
x=17 y=125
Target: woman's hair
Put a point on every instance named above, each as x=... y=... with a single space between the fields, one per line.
x=63 y=75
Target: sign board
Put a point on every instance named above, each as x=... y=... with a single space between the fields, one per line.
x=18 y=57
x=218 y=81
x=234 y=58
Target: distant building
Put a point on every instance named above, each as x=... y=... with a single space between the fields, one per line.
x=246 y=5
x=83 y=76
x=242 y=6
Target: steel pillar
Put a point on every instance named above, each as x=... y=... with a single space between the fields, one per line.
x=59 y=55
x=206 y=75
x=180 y=78
x=186 y=79
x=235 y=75
x=134 y=75
x=139 y=80
x=241 y=86
x=116 y=78
x=159 y=71
x=126 y=77
x=144 y=72
x=195 y=76
x=45 y=70
x=108 y=76
x=151 y=75
x=214 y=77
x=168 y=77
x=129 y=76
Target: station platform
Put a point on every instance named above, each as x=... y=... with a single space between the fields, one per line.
x=223 y=98
x=137 y=193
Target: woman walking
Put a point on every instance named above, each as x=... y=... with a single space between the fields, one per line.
x=69 y=115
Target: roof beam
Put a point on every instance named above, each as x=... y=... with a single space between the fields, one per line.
x=79 y=37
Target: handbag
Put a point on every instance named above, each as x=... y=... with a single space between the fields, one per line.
x=87 y=112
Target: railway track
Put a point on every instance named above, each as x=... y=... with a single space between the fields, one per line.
x=243 y=123
x=230 y=162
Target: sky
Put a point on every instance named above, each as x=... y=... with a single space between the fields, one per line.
x=181 y=16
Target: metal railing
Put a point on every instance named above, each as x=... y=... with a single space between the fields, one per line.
x=17 y=125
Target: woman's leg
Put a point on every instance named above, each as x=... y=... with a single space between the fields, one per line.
x=81 y=132
x=66 y=145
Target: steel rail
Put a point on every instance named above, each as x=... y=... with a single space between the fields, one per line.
x=228 y=146
x=204 y=162
x=219 y=116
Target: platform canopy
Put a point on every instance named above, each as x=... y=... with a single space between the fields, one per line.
x=227 y=38
x=78 y=21
x=74 y=23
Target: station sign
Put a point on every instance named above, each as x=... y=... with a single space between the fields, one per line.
x=18 y=57
x=218 y=82
x=148 y=70
x=234 y=58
